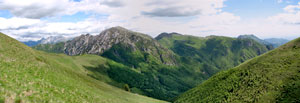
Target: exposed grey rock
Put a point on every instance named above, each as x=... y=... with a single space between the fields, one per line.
x=88 y=44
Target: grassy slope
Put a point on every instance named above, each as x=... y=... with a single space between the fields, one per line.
x=214 y=53
x=53 y=48
x=197 y=59
x=169 y=41
x=272 y=77
x=30 y=76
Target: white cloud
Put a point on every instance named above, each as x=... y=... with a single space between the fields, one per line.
x=37 y=9
x=113 y=3
x=173 y=8
x=17 y=23
x=121 y=12
x=34 y=29
x=194 y=17
x=34 y=8
x=287 y=18
x=201 y=25
x=292 y=8
x=291 y=15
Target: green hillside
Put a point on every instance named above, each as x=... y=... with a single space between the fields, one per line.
x=212 y=53
x=27 y=75
x=272 y=77
x=162 y=68
x=51 y=48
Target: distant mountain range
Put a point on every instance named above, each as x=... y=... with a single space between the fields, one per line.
x=161 y=67
x=49 y=40
x=31 y=76
x=275 y=42
x=106 y=67
x=272 y=77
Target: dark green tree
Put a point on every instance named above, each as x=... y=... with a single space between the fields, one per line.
x=126 y=87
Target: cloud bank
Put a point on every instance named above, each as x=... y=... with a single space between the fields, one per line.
x=32 y=18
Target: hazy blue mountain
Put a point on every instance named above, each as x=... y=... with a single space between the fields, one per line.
x=163 y=67
x=276 y=42
x=32 y=43
x=251 y=36
x=49 y=40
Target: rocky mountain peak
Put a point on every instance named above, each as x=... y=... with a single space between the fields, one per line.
x=117 y=28
x=118 y=38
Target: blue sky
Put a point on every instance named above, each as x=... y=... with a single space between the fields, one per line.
x=35 y=19
x=257 y=8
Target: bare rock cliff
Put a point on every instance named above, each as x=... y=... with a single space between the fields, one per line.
x=133 y=41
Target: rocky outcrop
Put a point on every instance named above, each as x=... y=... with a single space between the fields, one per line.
x=89 y=44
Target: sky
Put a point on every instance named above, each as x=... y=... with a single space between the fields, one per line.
x=35 y=19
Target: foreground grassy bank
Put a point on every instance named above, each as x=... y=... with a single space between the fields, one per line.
x=272 y=77
x=27 y=75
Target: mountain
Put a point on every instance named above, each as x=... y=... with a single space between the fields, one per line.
x=166 y=35
x=49 y=40
x=163 y=67
x=276 y=42
x=272 y=77
x=251 y=36
x=54 y=39
x=28 y=76
x=213 y=53
x=52 y=48
x=271 y=42
x=142 y=58
x=121 y=45
x=32 y=43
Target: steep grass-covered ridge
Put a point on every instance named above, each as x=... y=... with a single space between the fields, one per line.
x=27 y=75
x=272 y=77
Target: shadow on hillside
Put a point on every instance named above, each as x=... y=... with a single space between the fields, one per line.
x=100 y=73
x=96 y=72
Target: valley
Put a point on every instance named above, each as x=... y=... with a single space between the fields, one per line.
x=120 y=65
x=149 y=51
x=161 y=67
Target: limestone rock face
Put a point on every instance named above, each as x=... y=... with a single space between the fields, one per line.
x=132 y=41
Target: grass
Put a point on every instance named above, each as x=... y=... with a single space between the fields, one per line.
x=197 y=41
x=27 y=75
x=272 y=77
x=53 y=48
x=163 y=72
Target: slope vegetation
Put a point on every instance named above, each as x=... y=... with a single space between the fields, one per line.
x=272 y=77
x=52 y=48
x=163 y=67
x=27 y=75
x=212 y=53
x=122 y=45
